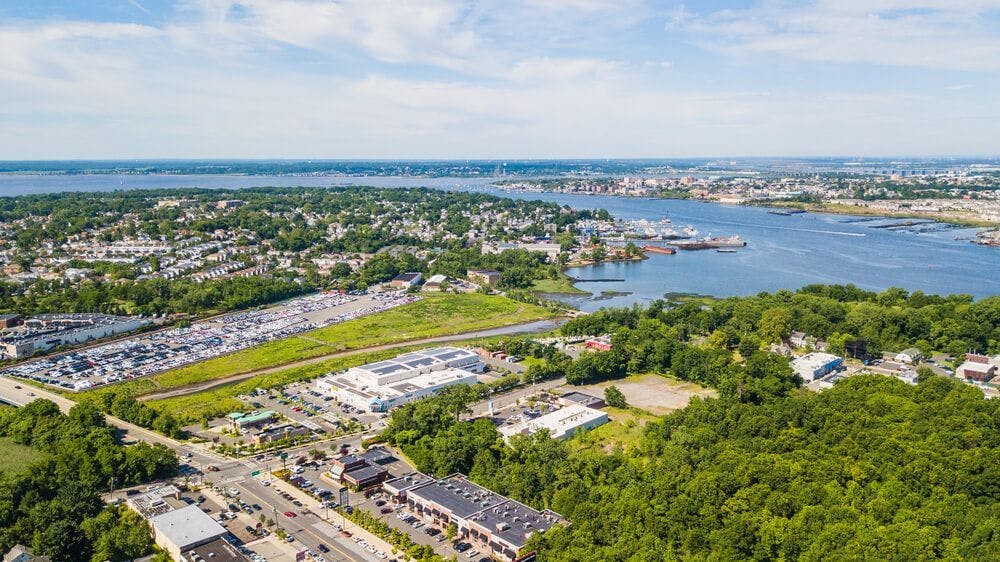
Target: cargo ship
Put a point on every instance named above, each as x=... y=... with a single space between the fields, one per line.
x=659 y=250
x=709 y=242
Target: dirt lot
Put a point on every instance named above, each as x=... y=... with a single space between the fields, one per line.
x=653 y=393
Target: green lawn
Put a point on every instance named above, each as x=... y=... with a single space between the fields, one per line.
x=563 y=285
x=435 y=315
x=624 y=428
x=15 y=457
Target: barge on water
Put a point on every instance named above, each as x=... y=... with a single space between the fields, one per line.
x=708 y=243
x=659 y=250
x=786 y=212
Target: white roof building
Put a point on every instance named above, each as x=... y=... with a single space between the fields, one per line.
x=561 y=424
x=384 y=385
x=815 y=365
x=181 y=529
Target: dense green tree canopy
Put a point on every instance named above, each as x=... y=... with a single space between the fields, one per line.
x=54 y=504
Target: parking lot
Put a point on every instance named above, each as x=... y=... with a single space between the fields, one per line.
x=301 y=403
x=160 y=351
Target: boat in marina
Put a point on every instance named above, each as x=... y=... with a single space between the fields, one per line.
x=710 y=242
x=662 y=229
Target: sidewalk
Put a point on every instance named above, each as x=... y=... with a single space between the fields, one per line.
x=335 y=518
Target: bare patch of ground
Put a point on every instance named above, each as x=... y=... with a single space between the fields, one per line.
x=653 y=393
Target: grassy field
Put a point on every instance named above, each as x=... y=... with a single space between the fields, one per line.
x=563 y=285
x=14 y=457
x=625 y=428
x=436 y=315
x=192 y=408
x=217 y=402
x=841 y=209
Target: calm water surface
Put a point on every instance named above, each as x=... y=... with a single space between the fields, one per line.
x=783 y=252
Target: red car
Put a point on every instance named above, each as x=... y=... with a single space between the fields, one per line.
x=290 y=514
x=386 y=510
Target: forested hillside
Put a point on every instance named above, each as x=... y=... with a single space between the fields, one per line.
x=871 y=469
x=53 y=505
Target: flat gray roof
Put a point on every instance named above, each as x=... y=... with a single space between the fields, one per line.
x=407 y=481
x=457 y=495
x=514 y=522
x=187 y=526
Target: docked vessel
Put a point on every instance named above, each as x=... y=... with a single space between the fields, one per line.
x=659 y=250
x=710 y=242
x=662 y=229
x=988 y=238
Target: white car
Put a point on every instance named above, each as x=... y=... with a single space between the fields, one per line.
x=234 y=492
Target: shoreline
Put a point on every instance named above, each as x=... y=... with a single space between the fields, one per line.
x=837 y=209
x=825 y=207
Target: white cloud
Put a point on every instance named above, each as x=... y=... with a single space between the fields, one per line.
x=544 y=69
x=940 y=34
x=457 y=79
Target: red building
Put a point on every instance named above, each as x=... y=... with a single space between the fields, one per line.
x=977 y=368
x=598 y=344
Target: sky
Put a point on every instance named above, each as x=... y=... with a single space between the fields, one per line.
x=498 y=78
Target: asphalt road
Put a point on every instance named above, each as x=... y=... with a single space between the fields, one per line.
x=231 y=472
x=9 y=392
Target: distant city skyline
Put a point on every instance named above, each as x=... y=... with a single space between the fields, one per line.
x=532 y=79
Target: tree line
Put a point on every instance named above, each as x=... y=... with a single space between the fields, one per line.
x=870 y=469
x=54 y=504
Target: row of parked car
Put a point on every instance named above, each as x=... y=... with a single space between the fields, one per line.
x=370 y=548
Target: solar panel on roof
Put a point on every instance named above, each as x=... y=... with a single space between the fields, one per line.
x=421 y=362
x=392 y=368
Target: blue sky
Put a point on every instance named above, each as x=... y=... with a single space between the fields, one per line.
x=497 y=78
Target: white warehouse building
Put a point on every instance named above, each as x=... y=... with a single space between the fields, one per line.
x=381 y=386
x=561 y=424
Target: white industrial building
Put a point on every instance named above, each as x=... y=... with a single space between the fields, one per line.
x=816 y=365
x=178 y=527
x=561 y=424
x=381 y=386
x=179 y=530
x=47 y=331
